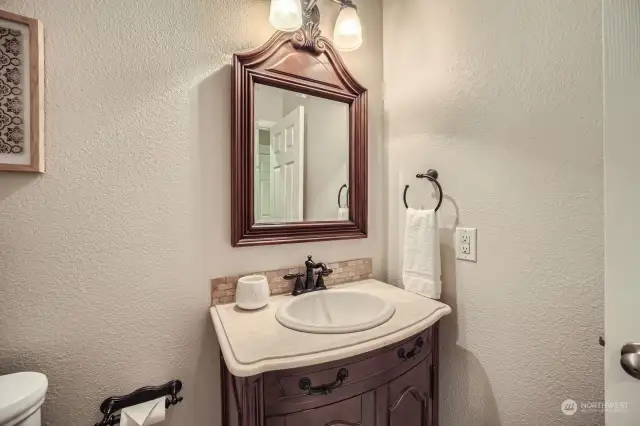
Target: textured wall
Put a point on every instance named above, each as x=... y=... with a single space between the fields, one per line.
x=504 y=98
x=106 y=260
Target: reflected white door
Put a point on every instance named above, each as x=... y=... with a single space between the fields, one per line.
x=621 y=26
x=262 y=173
x=287 y=168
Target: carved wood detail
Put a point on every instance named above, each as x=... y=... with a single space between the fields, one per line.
x=342 y=423
x=409 y=390
x=304 y=62
x=247 y=394
x=434 y=408
x=308 y=36
x=419 y=396
x=236 y=384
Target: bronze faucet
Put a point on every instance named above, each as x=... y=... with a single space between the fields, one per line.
x=310 y=284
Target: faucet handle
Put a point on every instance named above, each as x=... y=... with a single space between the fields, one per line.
x=324 y=272
x=293 y=276
x=298 y=287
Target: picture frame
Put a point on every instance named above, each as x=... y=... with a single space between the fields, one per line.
x=21 y=94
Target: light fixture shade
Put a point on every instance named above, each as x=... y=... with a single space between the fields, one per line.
x=347 y=34
x=286 y=15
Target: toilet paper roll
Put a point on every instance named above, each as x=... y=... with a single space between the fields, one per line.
x=147 y=413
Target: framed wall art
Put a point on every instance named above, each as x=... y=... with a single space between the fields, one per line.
x=21 y=94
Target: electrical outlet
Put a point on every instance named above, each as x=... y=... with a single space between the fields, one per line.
x=466 y=244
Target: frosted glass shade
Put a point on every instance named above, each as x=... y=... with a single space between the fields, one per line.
x=286 y=15
x=347 y=34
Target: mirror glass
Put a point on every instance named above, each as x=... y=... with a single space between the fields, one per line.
x=301 y=157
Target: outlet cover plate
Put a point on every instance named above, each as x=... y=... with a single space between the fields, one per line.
x=466 y=244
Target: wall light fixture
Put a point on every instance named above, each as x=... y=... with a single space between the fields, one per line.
x=290 y=15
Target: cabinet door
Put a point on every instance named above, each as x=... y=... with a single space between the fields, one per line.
x=406 y=401
x=357 y=411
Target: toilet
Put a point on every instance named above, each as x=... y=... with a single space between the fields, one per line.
x=21 y=396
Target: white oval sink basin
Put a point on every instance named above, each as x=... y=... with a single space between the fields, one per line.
x=334 y=311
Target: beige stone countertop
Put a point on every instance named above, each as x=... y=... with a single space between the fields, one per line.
x=254 y=342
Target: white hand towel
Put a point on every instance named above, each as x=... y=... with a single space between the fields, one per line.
x=421 y=267
x=343 y=213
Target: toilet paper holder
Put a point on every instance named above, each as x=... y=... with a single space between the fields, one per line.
x=116 y=403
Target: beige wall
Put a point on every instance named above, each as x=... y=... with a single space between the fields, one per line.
x=105 y=260
x=504 y=99
x=268 y=103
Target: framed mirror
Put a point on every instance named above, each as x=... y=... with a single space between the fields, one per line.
x=299 y=143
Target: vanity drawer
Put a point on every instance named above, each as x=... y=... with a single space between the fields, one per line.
x=347 y=412
x=288 y=391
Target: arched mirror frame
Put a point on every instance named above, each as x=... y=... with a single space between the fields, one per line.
x=305 y=62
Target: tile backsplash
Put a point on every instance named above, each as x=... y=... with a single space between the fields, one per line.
x=223 y=289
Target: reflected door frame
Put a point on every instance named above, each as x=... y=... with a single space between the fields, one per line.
x=259 y=125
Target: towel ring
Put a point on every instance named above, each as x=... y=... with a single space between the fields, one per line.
x=340 y=195
x=432 y=175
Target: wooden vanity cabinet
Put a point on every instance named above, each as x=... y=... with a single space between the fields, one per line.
x=393 y=386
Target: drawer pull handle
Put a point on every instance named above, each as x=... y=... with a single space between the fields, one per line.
x=402 y=354
x=305 y=384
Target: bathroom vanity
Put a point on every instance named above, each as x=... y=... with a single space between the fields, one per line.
x=395 y=385
x=386 y=375
x=358 y=353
